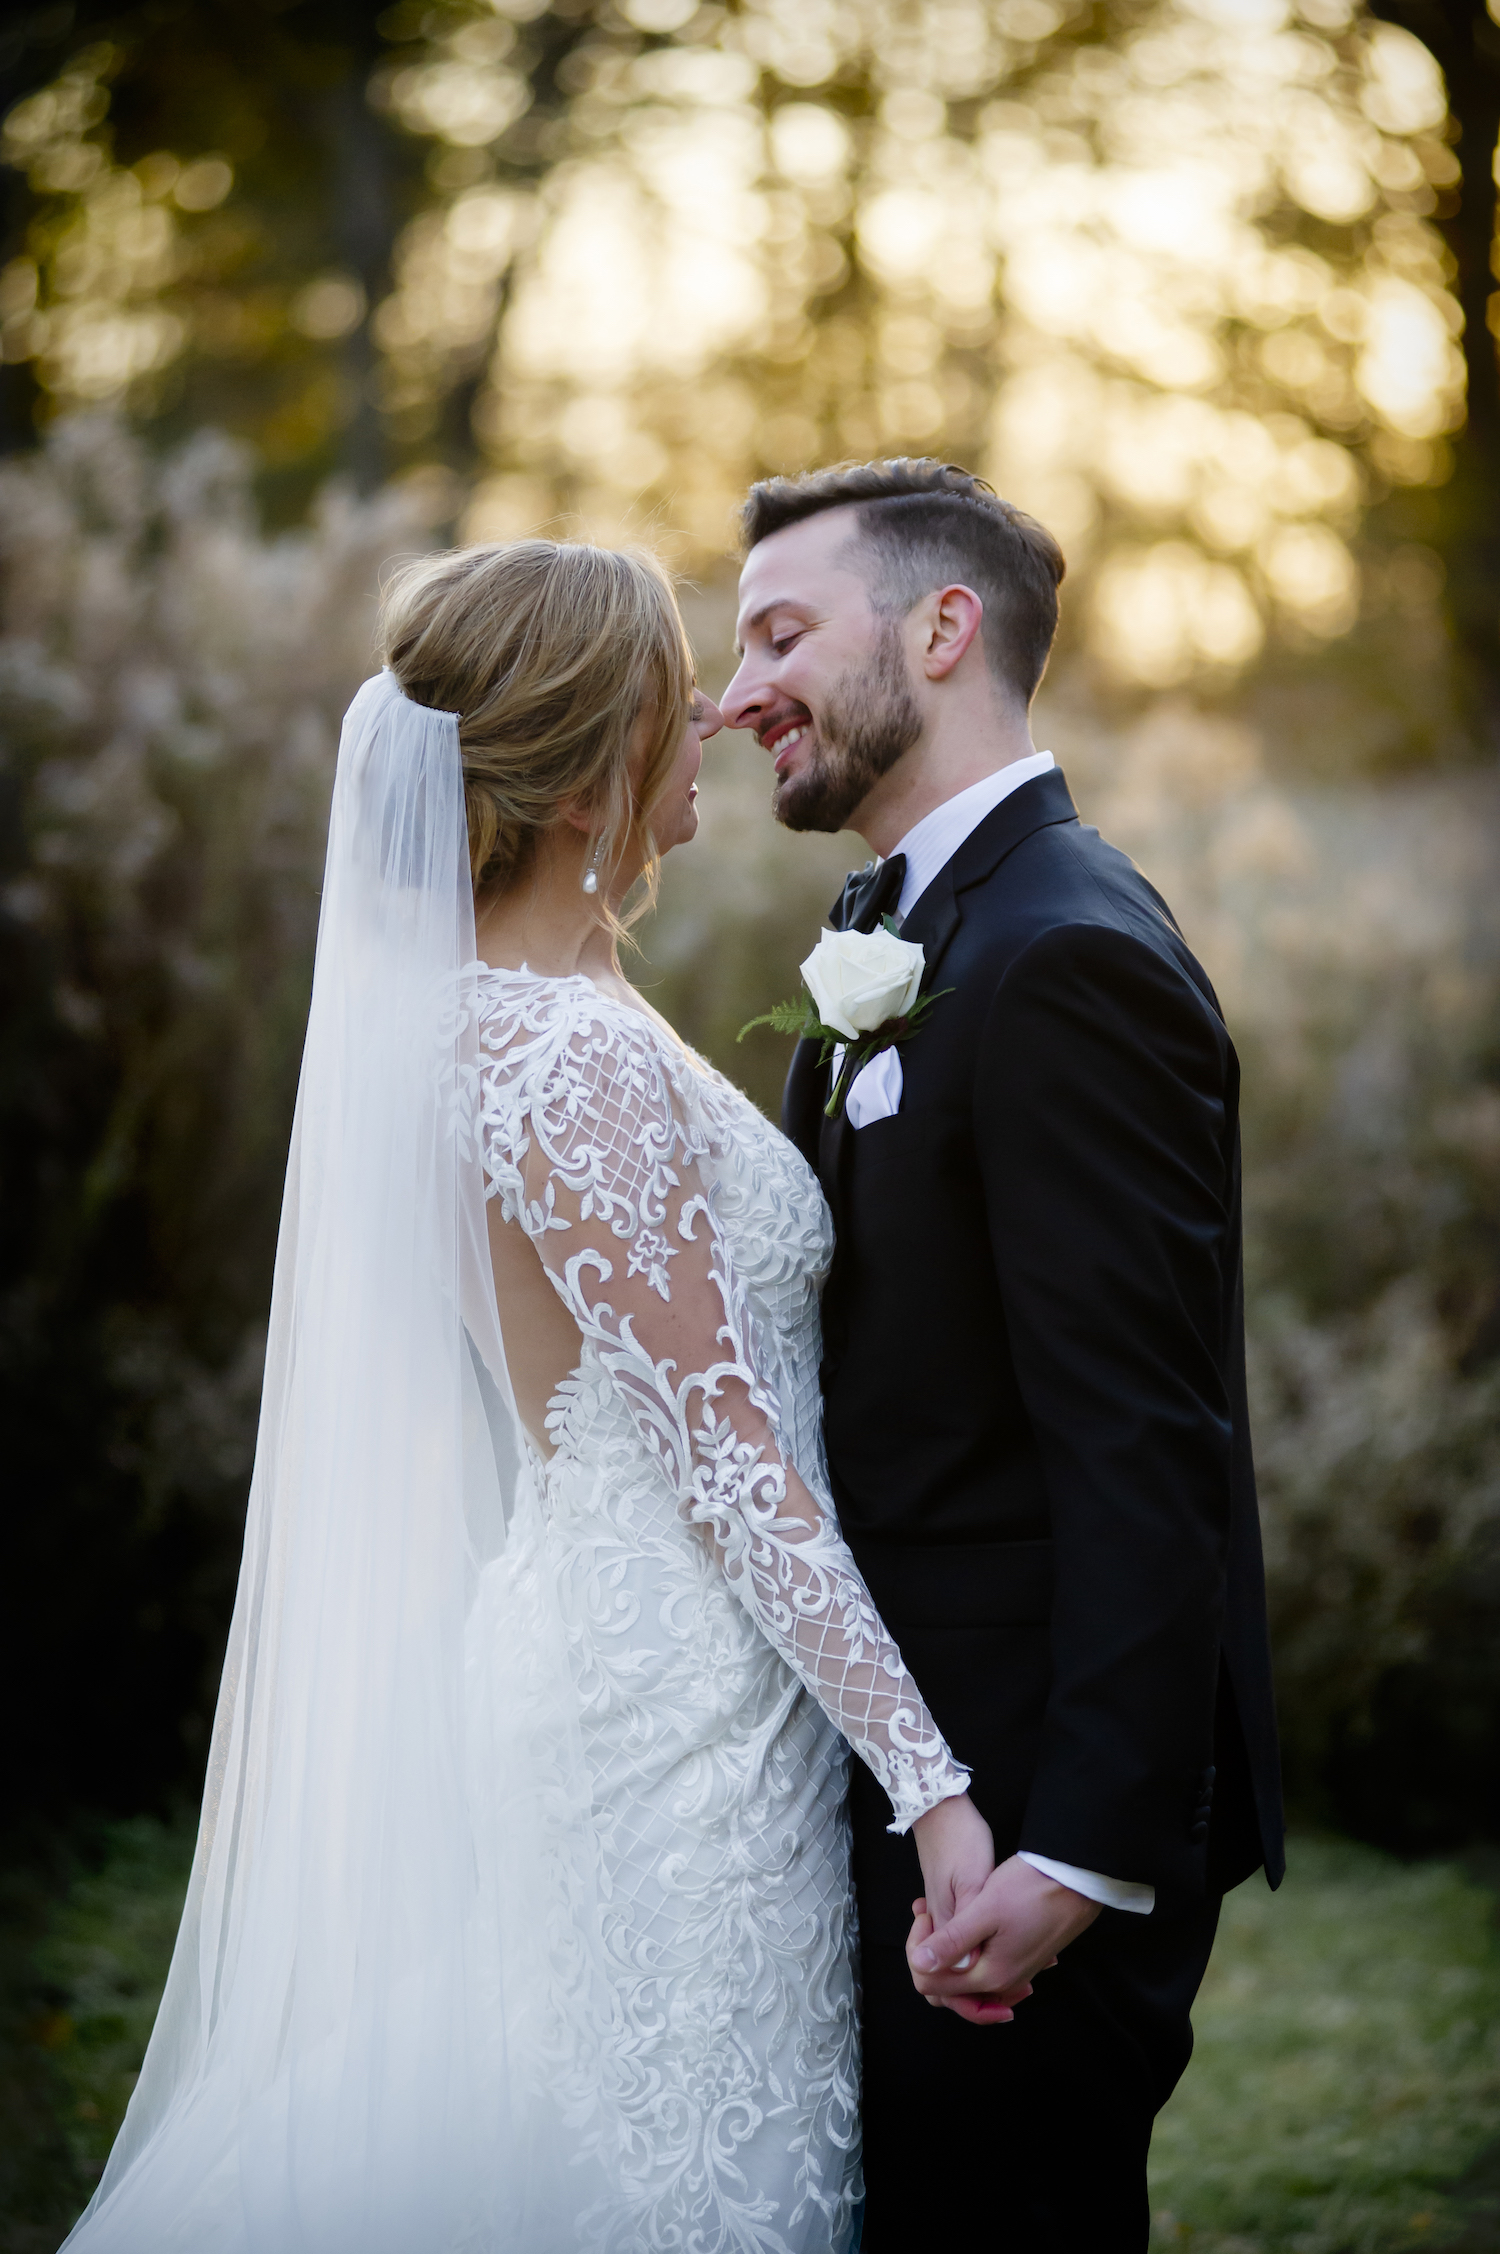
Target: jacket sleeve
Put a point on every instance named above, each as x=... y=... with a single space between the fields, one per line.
x=1105 y=1139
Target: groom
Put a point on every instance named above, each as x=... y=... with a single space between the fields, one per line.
x=1034 y=1369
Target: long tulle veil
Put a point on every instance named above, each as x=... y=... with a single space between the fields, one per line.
x=374 y=2036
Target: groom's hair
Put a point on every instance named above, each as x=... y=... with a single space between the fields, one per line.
x=923 y=524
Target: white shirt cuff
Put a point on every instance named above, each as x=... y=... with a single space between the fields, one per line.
x=1112 y=1893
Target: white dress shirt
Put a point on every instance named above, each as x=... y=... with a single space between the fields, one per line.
x=875 y=1093
x=931 y=844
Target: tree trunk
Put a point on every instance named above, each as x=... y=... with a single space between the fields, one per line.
x=1466 y=45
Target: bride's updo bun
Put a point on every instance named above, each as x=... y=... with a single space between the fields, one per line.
x=549 y=651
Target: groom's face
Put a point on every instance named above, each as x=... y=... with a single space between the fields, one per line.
x=824 y=680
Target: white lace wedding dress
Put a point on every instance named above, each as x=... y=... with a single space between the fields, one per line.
x=721 y=1641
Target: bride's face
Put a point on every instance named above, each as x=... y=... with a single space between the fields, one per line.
x=674 y=819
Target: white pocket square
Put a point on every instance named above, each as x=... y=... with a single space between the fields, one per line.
x=875 y=1090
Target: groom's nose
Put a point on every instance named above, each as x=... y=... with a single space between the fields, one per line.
x=744 y=699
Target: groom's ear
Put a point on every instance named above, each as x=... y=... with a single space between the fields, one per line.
x=949 y=622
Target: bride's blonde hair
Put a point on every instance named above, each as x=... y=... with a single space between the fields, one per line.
x=549 y=652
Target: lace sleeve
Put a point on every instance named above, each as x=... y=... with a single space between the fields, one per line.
x=606 y=1176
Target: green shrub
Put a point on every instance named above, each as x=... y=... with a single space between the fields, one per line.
x=1346 y=2072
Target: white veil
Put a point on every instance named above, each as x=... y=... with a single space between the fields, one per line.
x=380 y=1984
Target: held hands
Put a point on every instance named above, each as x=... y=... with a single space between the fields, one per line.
x=991 y=2010
x=957 y=1853
x=980 y=1958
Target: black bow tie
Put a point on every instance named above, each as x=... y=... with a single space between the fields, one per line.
x=869 y=894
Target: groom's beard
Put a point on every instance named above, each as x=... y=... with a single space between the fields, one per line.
x=870 y=718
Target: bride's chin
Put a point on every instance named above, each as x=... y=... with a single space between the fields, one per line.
x=683 y=834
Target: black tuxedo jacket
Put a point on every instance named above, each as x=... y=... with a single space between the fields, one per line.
x=1034 y=1373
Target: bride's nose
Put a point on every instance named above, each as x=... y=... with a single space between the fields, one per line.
x=710 y=719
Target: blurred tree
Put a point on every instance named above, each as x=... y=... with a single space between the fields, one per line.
x=203 y=207
x=1464 y=37
x=1168 y=272
x=201 y=215
x=1172 y=274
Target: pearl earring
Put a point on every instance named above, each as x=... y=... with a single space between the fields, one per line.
x=591 y=873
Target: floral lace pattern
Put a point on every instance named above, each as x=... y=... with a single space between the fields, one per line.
x=706 y=1596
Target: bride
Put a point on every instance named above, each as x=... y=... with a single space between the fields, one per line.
x=521 y=1917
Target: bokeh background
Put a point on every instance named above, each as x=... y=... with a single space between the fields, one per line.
x=291 y=287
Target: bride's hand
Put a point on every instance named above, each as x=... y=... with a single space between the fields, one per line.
x=957 y=1853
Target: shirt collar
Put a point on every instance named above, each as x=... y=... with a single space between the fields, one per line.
x=931 y=843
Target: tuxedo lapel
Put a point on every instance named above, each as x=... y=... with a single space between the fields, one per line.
x=820 y=1139
x=936 y=916
x=933 y=921
x=833 y=1139
x=802 y=1101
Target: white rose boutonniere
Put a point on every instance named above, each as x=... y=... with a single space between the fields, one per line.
x=862 y=992
x=861 y=979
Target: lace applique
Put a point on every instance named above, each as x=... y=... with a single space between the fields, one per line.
x=649 y=1255
x=602 y=1140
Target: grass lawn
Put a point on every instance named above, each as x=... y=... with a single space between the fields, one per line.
x=104 y=1959
x=1342 y=2099
x=1347 y=2070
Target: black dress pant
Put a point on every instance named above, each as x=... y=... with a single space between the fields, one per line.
x=1028 y=2138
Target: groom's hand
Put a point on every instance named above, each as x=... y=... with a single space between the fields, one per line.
x=983 y=2010
x=1001 y=1935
